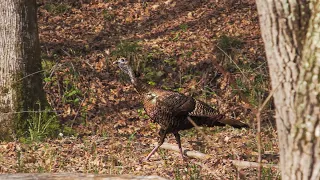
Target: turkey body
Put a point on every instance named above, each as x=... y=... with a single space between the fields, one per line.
x=172 y=110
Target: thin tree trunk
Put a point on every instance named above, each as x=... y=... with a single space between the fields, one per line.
x=290 y=30
x=20 y=65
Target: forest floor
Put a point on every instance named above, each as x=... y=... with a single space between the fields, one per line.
x=171 y=44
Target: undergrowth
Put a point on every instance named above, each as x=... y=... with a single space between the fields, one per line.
x=42 y=124
x=251 y=76
x=57 y=8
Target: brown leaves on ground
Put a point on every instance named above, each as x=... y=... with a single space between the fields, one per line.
x=79 y=41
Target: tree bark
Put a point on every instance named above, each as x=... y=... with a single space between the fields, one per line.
x=20 y=65
x=291 y=34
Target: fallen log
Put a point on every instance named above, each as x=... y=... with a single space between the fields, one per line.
x=194 y=154
x=74 y=176
x=199 y=155
x=248 y=164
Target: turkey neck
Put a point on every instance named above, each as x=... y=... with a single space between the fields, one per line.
x=140 y=87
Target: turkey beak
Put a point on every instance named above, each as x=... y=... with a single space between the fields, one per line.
x=116 y=62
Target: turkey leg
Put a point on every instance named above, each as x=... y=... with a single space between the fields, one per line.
x=163 y=135
x=177 y=136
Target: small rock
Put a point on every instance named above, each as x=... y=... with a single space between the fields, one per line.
x=226 y=139
x=214 y=20
x=155 y=6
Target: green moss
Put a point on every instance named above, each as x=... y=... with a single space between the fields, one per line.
x=17 y=87
x=227 y=43
x=57 y=8
x=32 y=118
x=8 y=126
x=126 y=49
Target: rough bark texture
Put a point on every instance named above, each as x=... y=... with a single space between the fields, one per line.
x=290 y=30
x=20 y=84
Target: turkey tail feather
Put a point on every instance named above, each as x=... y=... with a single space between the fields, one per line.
x=234 y=123
x=218 y=121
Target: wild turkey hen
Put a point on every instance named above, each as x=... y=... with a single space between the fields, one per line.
x=171 y=109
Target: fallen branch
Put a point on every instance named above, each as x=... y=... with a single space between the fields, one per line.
x=189 y=153
x=199 y=155
x=233 y=81
x=76 y=176
x=248 y=164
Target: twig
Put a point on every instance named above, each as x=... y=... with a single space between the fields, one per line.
x=73 y=120
x=199 y=129
x=101 y=139
x=91 y=66
x=65 y=52
x=258 y=115
x=74 y=69
x=19 y=112
x=30 y=75
x=269 y=96
x=232 y=81
x=255 y=111
x=259 y=143
x=52 y=70
x=233 y=62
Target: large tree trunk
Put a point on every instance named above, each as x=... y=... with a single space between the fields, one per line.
x=291 y=33
x=20 y=65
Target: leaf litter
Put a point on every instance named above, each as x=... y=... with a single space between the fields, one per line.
x=111 y=133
